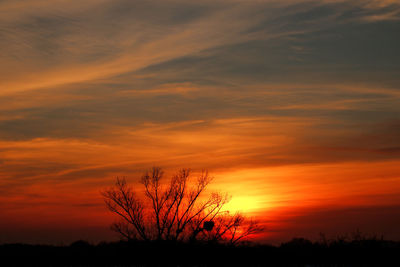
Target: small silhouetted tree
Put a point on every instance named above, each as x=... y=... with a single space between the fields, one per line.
x=176 y=210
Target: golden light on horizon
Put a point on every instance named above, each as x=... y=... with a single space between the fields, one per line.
x=244 y=204
x=287 y=108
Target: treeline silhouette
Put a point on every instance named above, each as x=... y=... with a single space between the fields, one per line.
x=297 y=252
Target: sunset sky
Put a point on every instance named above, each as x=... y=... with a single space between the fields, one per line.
x=292 y=105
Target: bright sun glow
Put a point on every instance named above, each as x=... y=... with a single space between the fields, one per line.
x=246 y=204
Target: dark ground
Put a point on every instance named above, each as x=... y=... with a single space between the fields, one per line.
x=298 y=252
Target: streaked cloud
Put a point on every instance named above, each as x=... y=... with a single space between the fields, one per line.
x=291 y=99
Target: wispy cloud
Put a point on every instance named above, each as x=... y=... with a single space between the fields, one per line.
x=94 y=89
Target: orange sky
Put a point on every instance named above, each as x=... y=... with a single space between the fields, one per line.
x=293 y=106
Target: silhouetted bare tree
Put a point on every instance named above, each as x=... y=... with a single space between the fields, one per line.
x=175 y=210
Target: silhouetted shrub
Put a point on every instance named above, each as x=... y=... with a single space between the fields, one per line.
x=297 y=252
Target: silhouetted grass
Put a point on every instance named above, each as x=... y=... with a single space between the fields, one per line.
x=298 y=252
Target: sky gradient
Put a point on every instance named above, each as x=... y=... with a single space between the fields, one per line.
x=292 y=105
